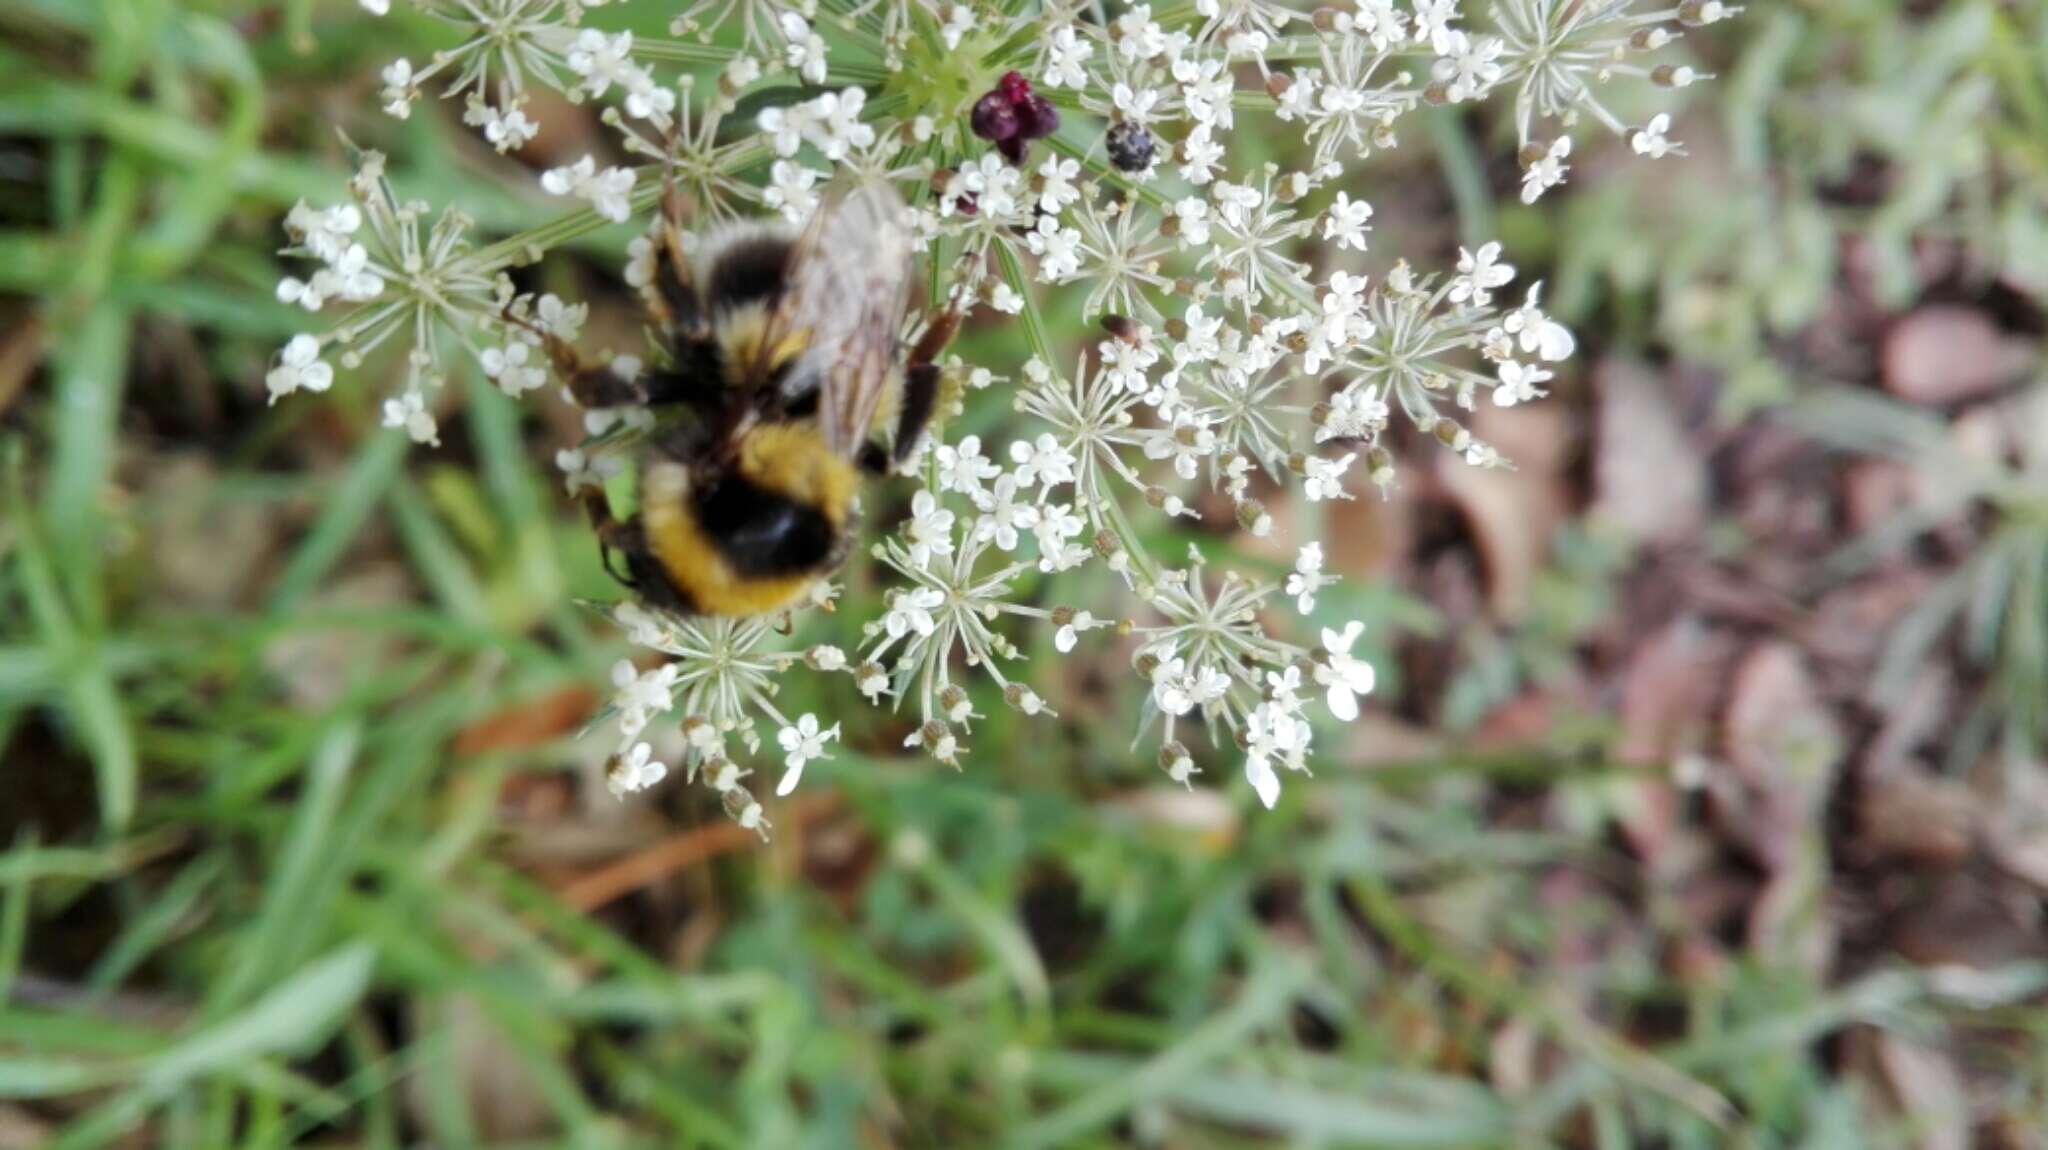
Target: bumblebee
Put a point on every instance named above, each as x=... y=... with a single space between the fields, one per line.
x=779 y=381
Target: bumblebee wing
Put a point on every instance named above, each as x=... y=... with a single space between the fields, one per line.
x=848 y=278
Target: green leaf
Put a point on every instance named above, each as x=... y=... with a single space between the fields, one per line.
x=293 y=1019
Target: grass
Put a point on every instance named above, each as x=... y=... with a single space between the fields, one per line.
x=297 y=841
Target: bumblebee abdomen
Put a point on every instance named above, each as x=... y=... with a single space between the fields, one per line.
x=762 y=532
x=753 y=537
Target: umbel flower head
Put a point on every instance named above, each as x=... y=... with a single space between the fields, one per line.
x=1054 y=161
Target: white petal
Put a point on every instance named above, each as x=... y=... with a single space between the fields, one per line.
x=1263 y=780
x=1343 y=703
x=789 y=779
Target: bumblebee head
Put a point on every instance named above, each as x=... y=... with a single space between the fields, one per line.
x=754 y=535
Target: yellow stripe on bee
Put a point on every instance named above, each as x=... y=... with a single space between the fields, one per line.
x=791 y=459
x=788 y=459
x=694 y=563
x=739 y=340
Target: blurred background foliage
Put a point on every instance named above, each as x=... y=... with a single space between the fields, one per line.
x=1703 y=806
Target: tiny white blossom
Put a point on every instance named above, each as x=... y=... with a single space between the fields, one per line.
x=1346 y=222
x=635 y=770
x=608 y=191
x=1055 y=531
x=409 y=411
x=1548 y=171
x=300 y=367
x=784 y=127
x=506 y=131
x=1003 y=514
x=1478 y=274
x=1650 y=140
x=1346 y=678
x=509 y=367
x=1065 y=59
x=801 y=744
x=1044 y=461
x=959 y=22
x=1056 y=187
x=324 y=232
x=911 y=611
x=1518 y=383
x=1308 y=577
x=805 y=50
x=964 y=469
x=1324 y=478
x=1069 y=632
x=398 y=93
x=837 y=123
x=1536 y=332
x=789 y=190
x=929 y=529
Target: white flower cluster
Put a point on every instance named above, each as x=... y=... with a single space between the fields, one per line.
x=407 y=281
x=1051 y=160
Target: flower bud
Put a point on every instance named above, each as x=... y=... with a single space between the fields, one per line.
x=742 y=808
x=1673 y=76
x=955 y=703
x=871 y=679
x=937 y=740
x=1700 y=13
x=1252 y=516
x=1176 y=762
x=1122 y=327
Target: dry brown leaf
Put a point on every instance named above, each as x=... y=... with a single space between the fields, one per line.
x=1512 y=514
x=1783 y=743
x=1908 y=814
x=1649 y=481
x=1947 y=353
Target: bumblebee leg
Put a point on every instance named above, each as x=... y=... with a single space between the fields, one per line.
x=921 y=378
x=593 y=384
x=672 y=294
x=614 y=539
x=920 y=397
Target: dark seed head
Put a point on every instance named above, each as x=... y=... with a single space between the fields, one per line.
x=1130 y=146
x=1037 y=118
x=993 y=118
x=1014 y=87
x=1013 y=149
